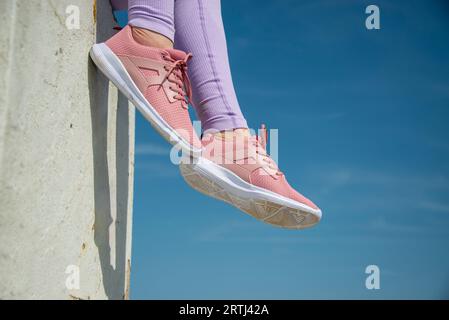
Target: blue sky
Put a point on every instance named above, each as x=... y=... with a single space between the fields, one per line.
x=363 y=119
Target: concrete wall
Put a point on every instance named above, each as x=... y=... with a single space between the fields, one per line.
x=66 y=157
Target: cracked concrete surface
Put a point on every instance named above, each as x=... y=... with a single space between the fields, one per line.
x=66 y=157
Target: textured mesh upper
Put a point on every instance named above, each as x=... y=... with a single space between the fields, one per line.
x=149 y=73
x=280 y=186
x=174 y=113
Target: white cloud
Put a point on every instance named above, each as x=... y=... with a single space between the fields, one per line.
x=337 y=177
x=435 y=206
x=157 y=169
x=382 y=225
x=152 y=149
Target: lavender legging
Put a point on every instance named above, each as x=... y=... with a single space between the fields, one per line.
x=195 y=26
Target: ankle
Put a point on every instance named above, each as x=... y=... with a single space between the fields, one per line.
x=150 y=38
x=230 y=134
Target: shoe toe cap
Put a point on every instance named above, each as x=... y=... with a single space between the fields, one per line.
x=295 y=195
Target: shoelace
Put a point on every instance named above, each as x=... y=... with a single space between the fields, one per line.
x=260 y=143
x=181 y=79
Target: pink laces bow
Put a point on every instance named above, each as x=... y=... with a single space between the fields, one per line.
x=181 y=81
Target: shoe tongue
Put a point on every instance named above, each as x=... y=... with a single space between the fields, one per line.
x=176 y=54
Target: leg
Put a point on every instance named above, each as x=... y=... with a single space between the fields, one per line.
x=139 y=60
x=234 y=166
x=199 y=30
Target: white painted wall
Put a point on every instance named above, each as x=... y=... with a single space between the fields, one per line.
x=66 y=157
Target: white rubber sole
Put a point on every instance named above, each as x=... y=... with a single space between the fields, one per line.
x=114 y=70
x=213 y=180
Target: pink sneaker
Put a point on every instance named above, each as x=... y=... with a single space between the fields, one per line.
x=155 y=81
x=237 y=170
